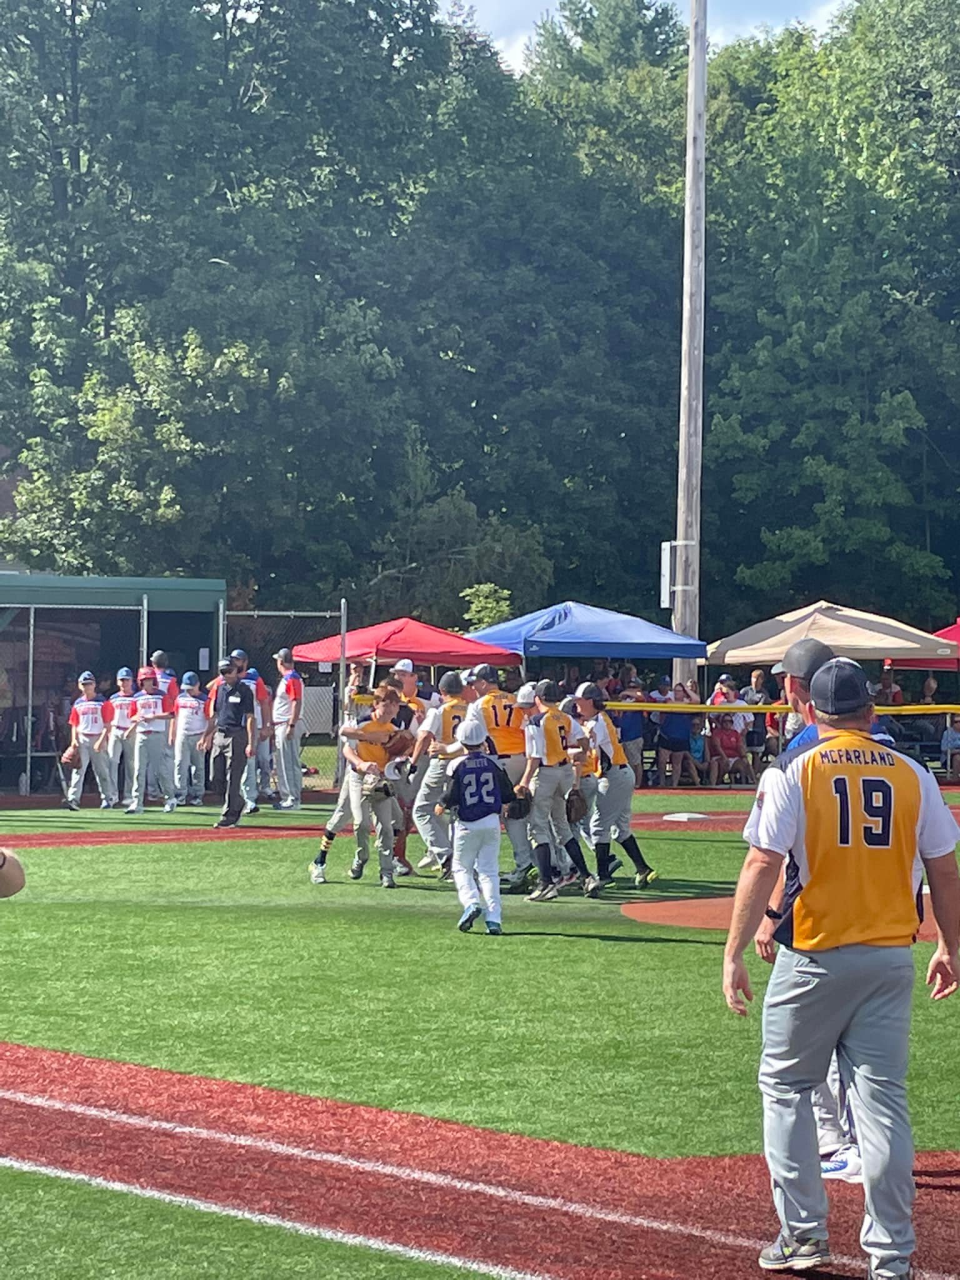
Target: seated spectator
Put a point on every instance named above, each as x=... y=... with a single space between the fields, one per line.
x=887 y=693
x=693 y=690
x=696 y=761
x=755 y=695
x=673 y=741
x=728 y=754
x=950 y=749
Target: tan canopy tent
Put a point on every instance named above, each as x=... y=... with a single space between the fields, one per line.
x=849 y=632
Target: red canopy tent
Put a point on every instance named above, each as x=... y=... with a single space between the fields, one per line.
x=936 y=664
x=407 y=638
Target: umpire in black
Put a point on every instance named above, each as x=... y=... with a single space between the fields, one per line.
x=232 y=731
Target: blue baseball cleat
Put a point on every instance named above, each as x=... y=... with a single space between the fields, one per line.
x=468 y=918
x=494 y=928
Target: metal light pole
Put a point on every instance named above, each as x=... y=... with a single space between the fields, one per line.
x=686 y=576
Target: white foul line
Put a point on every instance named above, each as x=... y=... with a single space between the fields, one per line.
x=445 y=1181
x=271 y=1220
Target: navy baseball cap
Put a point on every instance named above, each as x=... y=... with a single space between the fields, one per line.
x=86 y=677
x=665 y=680
x=238 y=655
x=591 y=691
x=450 y=682
x=190 y=678
x=839 y=688
x=485 y=672
x=283 y=655
x=124 y=674
x=548 y=691
x=226 y=664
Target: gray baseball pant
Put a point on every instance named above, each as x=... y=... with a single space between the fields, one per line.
x=150 y=752
x=375 y=811
x=517 y=829
x=548 y=803
x=855 y=1000
x=120 y=748
x=101 y=771
x=256 y=776
x=434 y=831
x=834 y=1123
x=610 y=819
x=589 y=787
x=188 y=767
x=289 y=777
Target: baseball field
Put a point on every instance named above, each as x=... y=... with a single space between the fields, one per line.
x=211 y=1067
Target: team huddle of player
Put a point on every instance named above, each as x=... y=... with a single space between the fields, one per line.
x=553 y=770
x=150 y=737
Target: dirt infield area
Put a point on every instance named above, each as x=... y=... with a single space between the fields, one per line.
x=708 y=913
x=489 y=1203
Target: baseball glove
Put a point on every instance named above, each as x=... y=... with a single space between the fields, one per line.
x=71 y=757
x=576 y=807
x=375 y=785
x=519 y=808
x=400 y=744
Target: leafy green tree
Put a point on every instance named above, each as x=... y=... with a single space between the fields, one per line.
x=487 y=604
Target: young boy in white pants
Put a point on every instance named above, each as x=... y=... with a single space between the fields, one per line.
x=477 y=792
x=187 y=727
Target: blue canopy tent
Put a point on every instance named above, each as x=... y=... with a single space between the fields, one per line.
x=572 y=630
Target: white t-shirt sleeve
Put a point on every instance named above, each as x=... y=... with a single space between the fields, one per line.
x=774 y=821
x=601 y=737
x=475 y=713
x=432 y=722
x=937 y=831
x=534 y=741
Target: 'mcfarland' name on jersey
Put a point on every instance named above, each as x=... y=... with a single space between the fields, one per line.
x=848 y=755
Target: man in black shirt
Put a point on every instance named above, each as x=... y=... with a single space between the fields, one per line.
x=231 y=729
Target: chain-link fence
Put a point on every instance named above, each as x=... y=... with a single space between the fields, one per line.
x=261 y=635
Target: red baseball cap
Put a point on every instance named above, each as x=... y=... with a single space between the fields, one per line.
x=146 y=673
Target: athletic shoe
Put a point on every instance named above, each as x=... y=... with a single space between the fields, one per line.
x=493 y=928
x=224 y=823
x=446 y=868
x=591 y=887
x=401 y=867
x=644 y=878
x=568 y=878
x=197 y=802
x=844 y=1166
x=285 y=806
x=469 y=917
x=387 y=882
x=545 y=894
x=134 y=808
x=317 y=873
x=429 y=862
x=356 y=869
x=249 y=808
x=71 y=805
x=106 y=804
x=787 y=1254
x=170 y=806
x=615 y=866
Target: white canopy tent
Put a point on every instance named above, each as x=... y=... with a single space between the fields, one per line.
x=849 y=632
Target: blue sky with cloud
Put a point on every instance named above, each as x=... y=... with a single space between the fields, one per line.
x=510 y=22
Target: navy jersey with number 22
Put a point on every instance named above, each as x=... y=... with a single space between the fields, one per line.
x=478 y=788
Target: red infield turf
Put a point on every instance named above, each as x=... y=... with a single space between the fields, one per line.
x=498 y=1204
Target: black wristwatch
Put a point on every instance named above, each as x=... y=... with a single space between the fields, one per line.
x=773 y=915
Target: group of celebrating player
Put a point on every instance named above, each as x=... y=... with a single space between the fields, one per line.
x=553 y=770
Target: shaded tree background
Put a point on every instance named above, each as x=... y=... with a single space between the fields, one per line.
x=320 y=298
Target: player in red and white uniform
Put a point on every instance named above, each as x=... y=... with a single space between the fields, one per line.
x=149 y=720
x=119 y=746
x=89 y=720
x=187 y=727
x=287 y=707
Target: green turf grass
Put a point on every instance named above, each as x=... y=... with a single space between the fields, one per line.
x=66 y=1231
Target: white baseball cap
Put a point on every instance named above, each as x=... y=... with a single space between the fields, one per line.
x=526 y=695
x=471 y=733
x=405 y=664
x=468 y=677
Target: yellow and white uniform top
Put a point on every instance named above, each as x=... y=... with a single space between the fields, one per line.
x=503 y=720
x=550 y=735
x=371 y=745
x=442 y=721
x=853 y=818
x=606 y=750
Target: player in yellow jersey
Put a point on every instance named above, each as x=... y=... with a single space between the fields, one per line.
x=548 y=777
x=371 y=798
x=858 y=824
x=504 y=722
x=615 y=779
x=440 y=727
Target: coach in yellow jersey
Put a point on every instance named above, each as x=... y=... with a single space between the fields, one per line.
x=504 y=722
x=858 y=823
